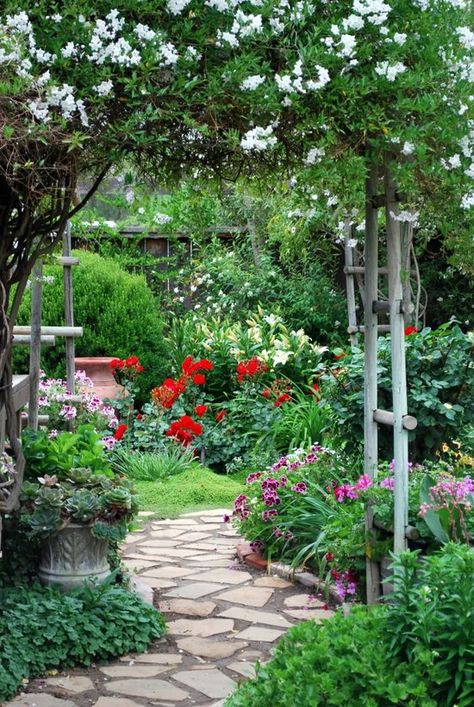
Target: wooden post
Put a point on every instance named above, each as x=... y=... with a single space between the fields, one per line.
x=349 y=261
x=370 y=362
x=35 y=347
x=399 y=381
x=68 y=310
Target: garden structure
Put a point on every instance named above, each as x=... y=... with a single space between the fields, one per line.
x=366 y=126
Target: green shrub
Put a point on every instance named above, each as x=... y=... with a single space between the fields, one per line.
x=440 y=378
x=117 y=311
x=416 y=651
x=42 y=629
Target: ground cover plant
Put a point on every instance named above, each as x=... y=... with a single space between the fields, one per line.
x=43 y=629
x=416 y=651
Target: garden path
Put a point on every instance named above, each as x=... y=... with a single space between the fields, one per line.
x=221 y=618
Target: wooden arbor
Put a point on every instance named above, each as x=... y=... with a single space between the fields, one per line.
x=381 y=193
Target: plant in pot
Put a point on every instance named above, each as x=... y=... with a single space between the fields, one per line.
x=74 y=504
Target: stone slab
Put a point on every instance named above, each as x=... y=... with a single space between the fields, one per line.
x=133 y=670
x=301 y=601
x=223 y=576
x=205 y=514
x=317 y=615
x=164 y=533
x=146 y=514
x=248 y=595
x=208 y=564
x=166 y=551
x=169 y=572
x=194 y=537
x=151 y=688
x=210 y=556
x=134 y=538
x=200 y=627
x=155 y=542
x=207 y=648
x=116 y=702
x=156 y=582
x=211 y=683
x=158 y=658
x=187 y=606
x=71 y=683
x=242 y=668
x=152 y=559
x=194 y=590
x=176 y=522
x=255 y=617
x=273 y=582
x=259 y=633
x=39 y=699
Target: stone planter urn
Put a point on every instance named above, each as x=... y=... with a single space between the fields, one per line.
x=73 y=556
x=97 y=368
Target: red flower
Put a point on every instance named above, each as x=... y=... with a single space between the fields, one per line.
x=139 y=368
x=184 y=429
x=140 y=416
x=190 y=367
x=266 y=392
x=338 y=356
x=410 y=330
x=116 y=363
x=329 y=557
x=220 y=415
x=283 y=398
x=132 y=361
x=199 y=379
x=200 y=410
x=166 y=394
x=250 y=368
x=120 y=431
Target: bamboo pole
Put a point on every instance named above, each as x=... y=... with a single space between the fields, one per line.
x=399 y=382
x=35 y=347
x=370 y=362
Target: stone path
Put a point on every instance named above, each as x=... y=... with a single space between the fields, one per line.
x=221 y=618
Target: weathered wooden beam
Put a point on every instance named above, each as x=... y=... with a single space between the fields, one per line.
x=51 y=331
x=25 y=340
x=385 y=417
x=42 y=419
x=360 y=270
x=384 y=306
x=69 y=313
x=67 y=260
x=411 y=533
x=35 y=347
x=381 y=328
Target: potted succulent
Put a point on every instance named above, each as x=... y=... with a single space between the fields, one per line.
x=76 y=509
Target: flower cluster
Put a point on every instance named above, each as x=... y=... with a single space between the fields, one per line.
x=279 y=391
x=184 y=430
x=454 y=498
x=250 y=368
x=128 y=366
x=170 y=390
x=352 y=491
x=346 y=583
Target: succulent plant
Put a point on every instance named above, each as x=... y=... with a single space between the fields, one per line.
x=83 y=505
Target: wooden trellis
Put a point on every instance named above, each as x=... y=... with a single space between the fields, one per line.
x=398 y=307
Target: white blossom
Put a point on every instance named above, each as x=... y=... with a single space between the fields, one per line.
x=252 y=82
x=103 y=88
x=258 y=139
x=390 y=71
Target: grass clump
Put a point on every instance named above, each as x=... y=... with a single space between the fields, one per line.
x=42 y=629
x=158 y=466
x=194 y=489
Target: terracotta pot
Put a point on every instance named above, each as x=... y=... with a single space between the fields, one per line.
x=97 y=368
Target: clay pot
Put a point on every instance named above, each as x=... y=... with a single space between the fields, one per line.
x=97 y=368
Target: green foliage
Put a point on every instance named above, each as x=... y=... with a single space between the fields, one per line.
x=440 y=377
x=117 y=311
x=430 y=620
x=42 y=629
x=302 y=422
x=158 y=466
x=192 y=490
x=61 y=491
x=416 y=651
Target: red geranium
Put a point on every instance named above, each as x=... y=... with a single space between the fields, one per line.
x=120 y=431
x=266 y=392
x=250 y=368
x=199 y=379
x=116 y=363
x=190 y=367
x=220 y=415
x=283 y=398
x=410 y=330
x=184 y=429
x=200 y=410
x=132 y=361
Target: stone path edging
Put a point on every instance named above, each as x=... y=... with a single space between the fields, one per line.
x=222 y=616
x=280 y=569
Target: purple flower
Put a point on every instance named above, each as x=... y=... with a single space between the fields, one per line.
x=283 y=481
x=251 y=478
x=300 y=487
x=365 y=482
x=267 y=515
x=69 y=412
x=388 y=483
x=277 y=533
x=226 y=518
x=270 y=498
x=270 y=484
x=257 y=545
x=109 y=442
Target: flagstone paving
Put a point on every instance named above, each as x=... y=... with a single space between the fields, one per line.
x=221 y=618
